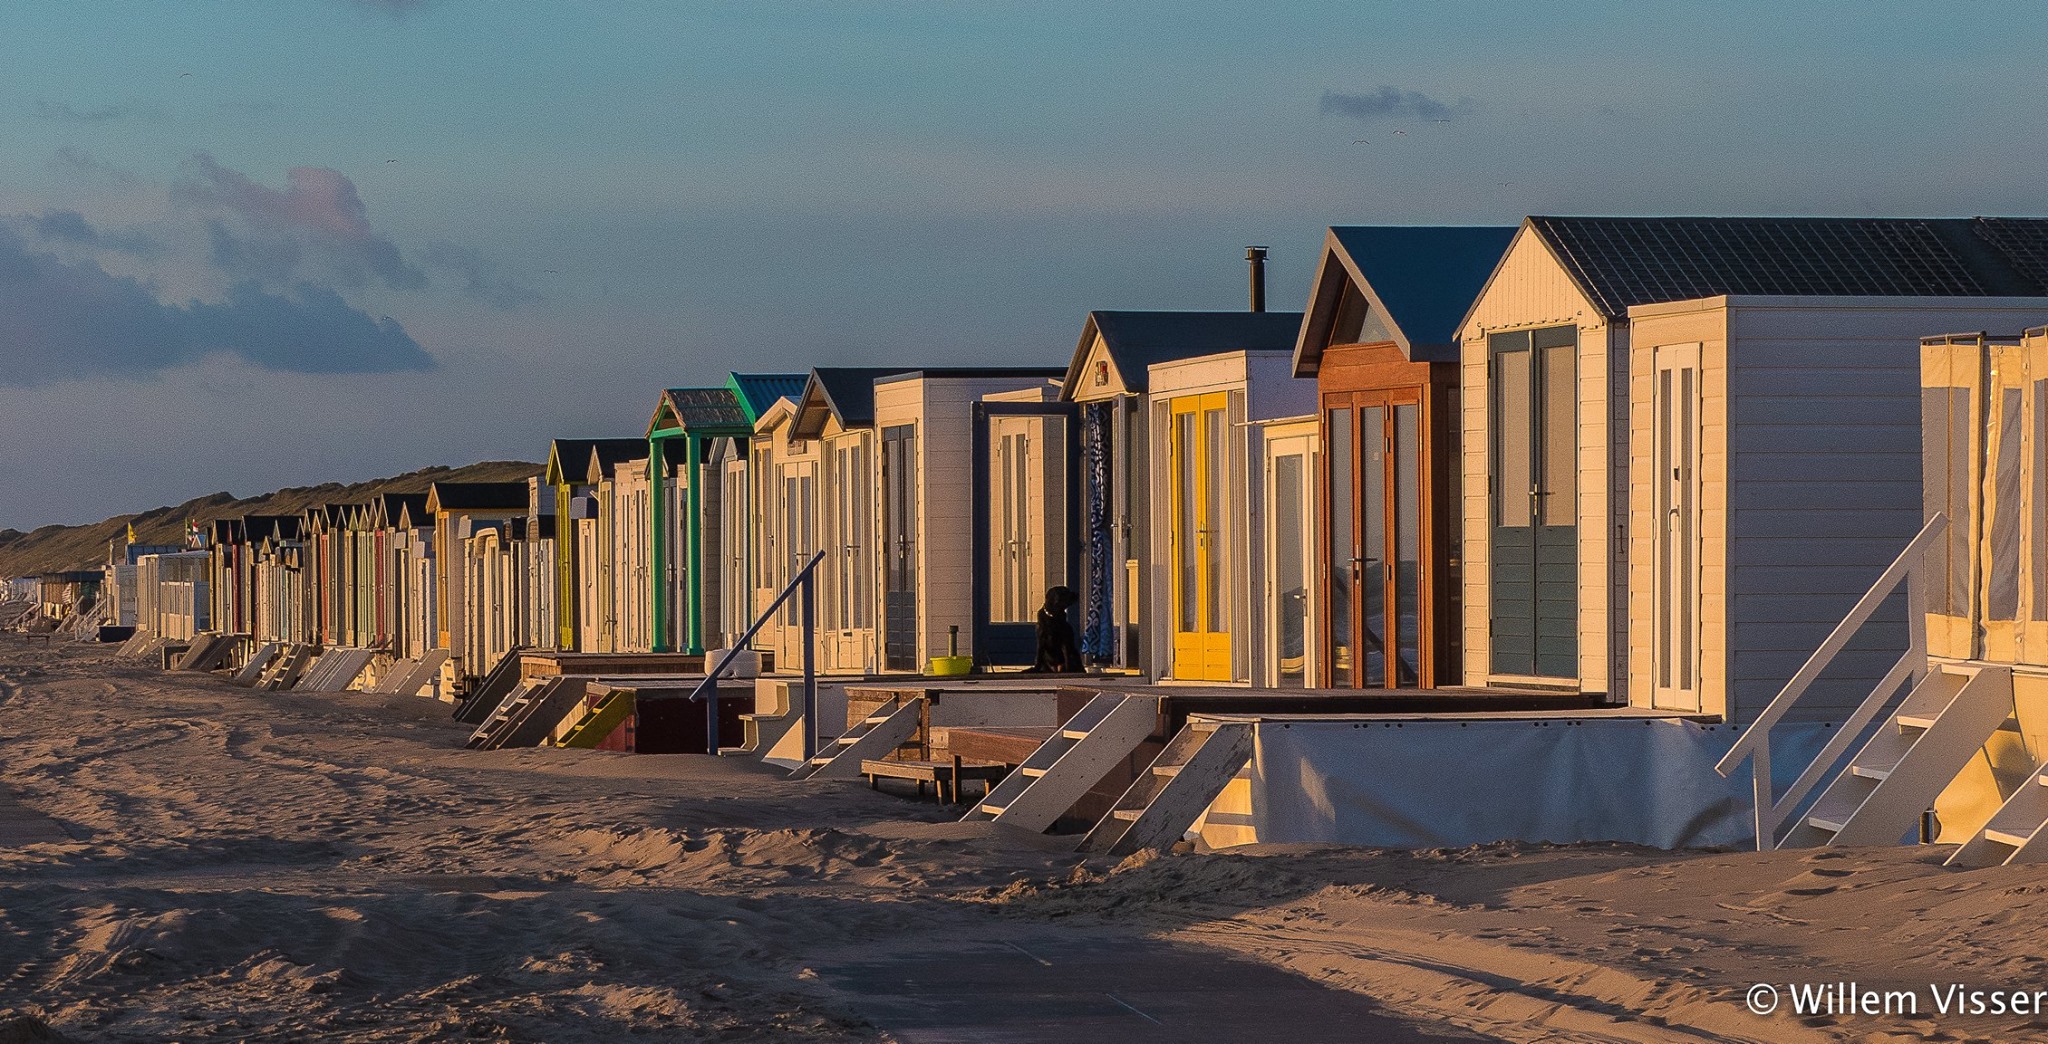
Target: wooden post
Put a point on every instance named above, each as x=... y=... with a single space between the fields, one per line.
x=1760 y=787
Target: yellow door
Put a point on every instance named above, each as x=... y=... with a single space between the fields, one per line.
x=1201 y=611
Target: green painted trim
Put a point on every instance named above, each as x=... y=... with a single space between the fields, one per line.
x=658 y=576
x=693 y=632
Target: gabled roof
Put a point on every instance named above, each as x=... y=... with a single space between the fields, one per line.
x=1418 y=280
x=846 y=392
x=758 y=391
x=1136 y=340
x=567 y=457
x=703 y=410
x=281 y=527
x=607 y=454
x=1620 y=262
x=392 y=507
x=477 y=496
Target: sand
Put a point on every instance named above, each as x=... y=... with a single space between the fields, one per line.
x=184 y=860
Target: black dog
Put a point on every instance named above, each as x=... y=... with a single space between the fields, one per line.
x=1057 y=653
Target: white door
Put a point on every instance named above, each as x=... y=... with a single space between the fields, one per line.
x=1290 y=566
x=1676 y=651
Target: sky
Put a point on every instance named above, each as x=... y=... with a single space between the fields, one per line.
x=247 y=245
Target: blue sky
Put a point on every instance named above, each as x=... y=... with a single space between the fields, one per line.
x=247 y=245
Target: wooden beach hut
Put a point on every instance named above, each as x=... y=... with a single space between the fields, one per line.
x=785 y=522
x=836 y=412
x=456 y=508
x=936 y=559
x=1690 y=443
x=1108 y=379
x=729 y=550
x=1206 y=440
x=576 y=557
x=1380 y=338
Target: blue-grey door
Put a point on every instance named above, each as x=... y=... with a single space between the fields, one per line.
x=1535 y=502
x=899 y=548
x=1027 y=507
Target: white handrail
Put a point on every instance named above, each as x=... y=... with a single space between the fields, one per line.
x=1755 y=743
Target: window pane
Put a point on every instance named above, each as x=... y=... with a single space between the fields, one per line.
x=1216 y=463
x=2002 y=599
x=1511 y=439
x=1290 y=579
x=1560 y=436
x=1373 y=550
x=1184 y=521
x=1343 y=546
x=1407 y=544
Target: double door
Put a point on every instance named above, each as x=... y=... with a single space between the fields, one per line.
x=1534 y=414
x=1378 y=577
x=1198 y=447
x=899 y=548
x=1026 y=517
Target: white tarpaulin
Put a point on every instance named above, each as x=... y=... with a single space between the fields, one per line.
x=1447 y=783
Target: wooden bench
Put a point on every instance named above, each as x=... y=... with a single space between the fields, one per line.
x=944 y=776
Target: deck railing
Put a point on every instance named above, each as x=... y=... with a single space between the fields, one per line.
x=805 y=581
x=1755 y=743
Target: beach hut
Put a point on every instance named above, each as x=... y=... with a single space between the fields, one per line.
x=1206 y=439
x=836 y=412
x=1380 y=338
x=617 y=549
x=1108 y=379
x=170 y=594
x=784 y=524
x=576 y=558
x=728 y=512
x=457 y=508
x=1691 y=443
x=687 y=423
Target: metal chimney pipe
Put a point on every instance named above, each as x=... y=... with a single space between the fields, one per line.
x=1257 y=256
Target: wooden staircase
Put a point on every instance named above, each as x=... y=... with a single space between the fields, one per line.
x=586 y=726
x=1071 y=761
x=530 y=714
x=480 y=701
x=1943 y=723
x=1166 y=799
x=874 y=737
x=287 y=667
x=258 y=662
x=408 y=677
x=335 y=670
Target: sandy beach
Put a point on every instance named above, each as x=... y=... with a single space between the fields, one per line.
x=184 y=860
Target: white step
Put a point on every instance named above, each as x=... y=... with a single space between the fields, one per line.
x=1896 y=777
x=1161 y=805
x=2006 y=837
x=1075 y=758
x=871 y=738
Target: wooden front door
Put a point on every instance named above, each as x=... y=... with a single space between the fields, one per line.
x=1675 y=646
x=1379 y=575
x=1026 y=505
x=1534 y=422
x=1197 y=449
x=899 y=548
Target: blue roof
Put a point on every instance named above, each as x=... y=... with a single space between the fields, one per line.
x=1427 y=277
x=758 y=391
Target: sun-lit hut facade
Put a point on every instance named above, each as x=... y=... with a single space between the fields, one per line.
x=730 y=508
x=784 y=524
x=1379 y=596
x=621 y=538
x=457 y=508
x=1108 y=378
x=1692 y=443
x=835 y=412
x=1208 y=560
x=576 y=544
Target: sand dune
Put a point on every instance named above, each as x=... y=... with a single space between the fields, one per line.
x=184 y=860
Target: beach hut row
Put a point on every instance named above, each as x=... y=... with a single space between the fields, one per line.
x=1644 y=460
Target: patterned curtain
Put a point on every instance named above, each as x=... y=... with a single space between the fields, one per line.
x=1098 y=630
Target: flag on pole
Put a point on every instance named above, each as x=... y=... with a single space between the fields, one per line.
x=131 y=532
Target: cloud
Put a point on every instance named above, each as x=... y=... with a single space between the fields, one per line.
x=315 y=228
x=1389 y=102
x=56 y=110
x=64 y=319
x=69 y=226
x=480 y=277
x=84 y=165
